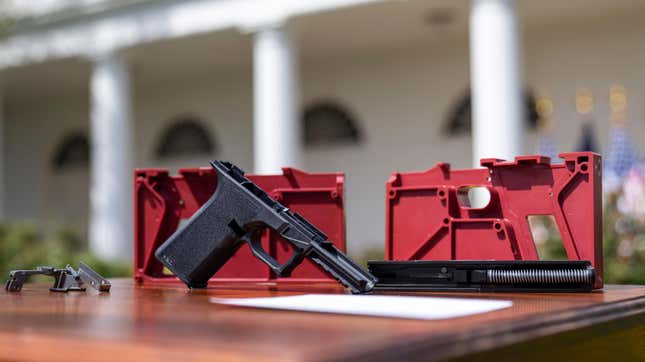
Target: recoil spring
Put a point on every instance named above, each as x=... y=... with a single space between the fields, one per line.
x=545 y=276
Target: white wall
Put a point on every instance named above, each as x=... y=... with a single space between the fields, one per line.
x=33 y=131
x=400 y=100
x=223 y=102
x=592 y=54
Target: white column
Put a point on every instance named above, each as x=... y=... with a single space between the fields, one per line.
x=276 y=127
x=496 y=86
x=111 y=163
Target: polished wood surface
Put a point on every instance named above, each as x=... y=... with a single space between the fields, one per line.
x=169 y=322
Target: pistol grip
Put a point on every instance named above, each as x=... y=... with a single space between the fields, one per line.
x=209 y=239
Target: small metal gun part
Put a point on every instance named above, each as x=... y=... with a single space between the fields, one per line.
x=485 y=275
x=65 y=280
x=94 y=279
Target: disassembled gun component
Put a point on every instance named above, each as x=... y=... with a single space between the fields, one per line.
x=429 y=215
x=65 y=280
x=94 y=279
x=485 y=275
x=239 y=211
x=162 y=200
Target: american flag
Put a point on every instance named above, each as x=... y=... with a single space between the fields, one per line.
x=587 y=140
x=621 y=157
x=621 y=154
x=546 y=146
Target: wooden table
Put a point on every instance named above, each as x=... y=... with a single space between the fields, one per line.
x=169 y=322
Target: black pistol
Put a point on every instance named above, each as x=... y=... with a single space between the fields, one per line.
x=238 y=212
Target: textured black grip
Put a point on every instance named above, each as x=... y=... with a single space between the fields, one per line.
x=211 y=236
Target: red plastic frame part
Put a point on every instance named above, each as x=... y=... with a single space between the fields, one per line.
x=162 y=201
x=428 y=218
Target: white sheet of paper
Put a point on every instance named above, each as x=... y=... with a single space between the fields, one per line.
x=373 y=305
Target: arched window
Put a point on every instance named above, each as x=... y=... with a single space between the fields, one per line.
x=329 y=123
x=460 y=117
x=72 y=152
x=185 y=137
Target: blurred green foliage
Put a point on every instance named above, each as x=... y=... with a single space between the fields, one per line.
x=24 y=246
x=6 y=22
x=623 y=245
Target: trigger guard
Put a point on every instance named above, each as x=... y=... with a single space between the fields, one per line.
x=281 y=270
